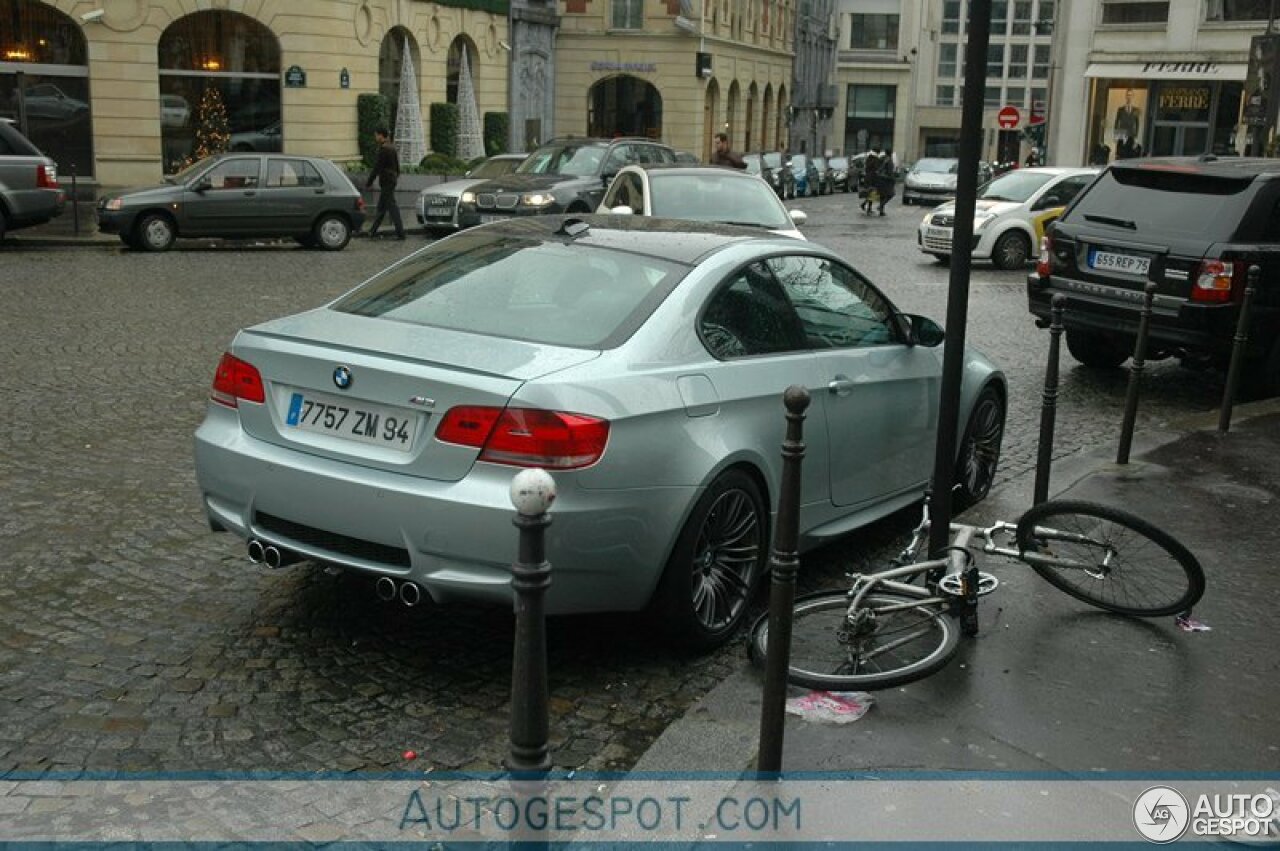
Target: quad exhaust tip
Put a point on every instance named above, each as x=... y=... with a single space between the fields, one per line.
x=387 y=589
x=269 y=555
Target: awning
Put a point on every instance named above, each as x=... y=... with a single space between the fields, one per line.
x=1167 y=70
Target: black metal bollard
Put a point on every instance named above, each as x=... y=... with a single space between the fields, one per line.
x=1238 y=349
x=784 y=561
x=75 y=202
x=1049 y=402
x=532 y=492
x=1135 y=375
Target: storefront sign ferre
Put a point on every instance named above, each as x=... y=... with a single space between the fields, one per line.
x=635 y=67
x=1185 y=97
x=1199 y=69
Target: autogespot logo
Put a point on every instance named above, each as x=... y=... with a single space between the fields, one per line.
x=1161 y=814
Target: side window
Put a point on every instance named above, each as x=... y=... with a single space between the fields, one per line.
x=626 y=191
x=234 y=174
x=837 y=308
x=1272 y=231
x=291 y=173
x=1068 y=189
x=5 y=148
x=749 y=315
x=621 y=155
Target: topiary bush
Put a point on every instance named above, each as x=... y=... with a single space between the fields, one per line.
x=372 y=111
x=438 y=163
x=497 y=126
x=444 y=128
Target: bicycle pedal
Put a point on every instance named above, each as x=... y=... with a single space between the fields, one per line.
x=953 y=584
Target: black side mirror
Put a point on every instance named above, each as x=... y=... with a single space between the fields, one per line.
x=925 y=332
x=202 y=185
x=1048 y=202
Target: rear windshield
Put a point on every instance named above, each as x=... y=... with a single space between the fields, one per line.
x=727 y=197
x=556 y=293
x=1151 y=201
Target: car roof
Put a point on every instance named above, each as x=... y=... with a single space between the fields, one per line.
x=1056 y=170
x=674 y=239
x=1208 y=166
x=595 y=140
x=688 y=168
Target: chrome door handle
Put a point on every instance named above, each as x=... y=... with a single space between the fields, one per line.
x=841 y=385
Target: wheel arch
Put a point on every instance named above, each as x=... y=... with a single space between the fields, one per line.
x=746 y=463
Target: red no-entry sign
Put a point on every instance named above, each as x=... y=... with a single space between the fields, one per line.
x=1008 y=117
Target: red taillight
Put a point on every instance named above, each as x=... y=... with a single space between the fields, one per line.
x=1214 y=281
x=46 y=177
x=1044 y=266
x=527 y=437
x=234 y=380
x=360 y=203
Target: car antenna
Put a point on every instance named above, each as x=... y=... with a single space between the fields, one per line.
x=573 y=227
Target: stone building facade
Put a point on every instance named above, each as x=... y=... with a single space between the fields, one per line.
x=676 y=70
x=115 y=88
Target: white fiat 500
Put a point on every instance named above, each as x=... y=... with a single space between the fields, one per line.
x=1011 y=215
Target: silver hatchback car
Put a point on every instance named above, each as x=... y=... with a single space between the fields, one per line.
x=642 y=361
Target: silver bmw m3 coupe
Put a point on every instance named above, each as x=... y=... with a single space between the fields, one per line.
x=640 y=361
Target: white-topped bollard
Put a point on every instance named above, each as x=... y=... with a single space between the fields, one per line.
x=532 y=493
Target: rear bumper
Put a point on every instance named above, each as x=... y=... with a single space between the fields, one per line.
x=607 y=548
x=1200 y=328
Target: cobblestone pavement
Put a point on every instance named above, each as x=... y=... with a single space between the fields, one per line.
x=132 y=638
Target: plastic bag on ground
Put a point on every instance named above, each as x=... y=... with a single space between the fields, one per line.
x=831 y=707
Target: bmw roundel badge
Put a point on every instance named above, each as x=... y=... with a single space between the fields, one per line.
x=342 y=377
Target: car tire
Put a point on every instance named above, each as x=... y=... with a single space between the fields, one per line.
x=731 y=515
x=154 y=232
x=1095 y=350
x=979 y=454
x=331 y=232
x=4 y=225
x=1011 y=251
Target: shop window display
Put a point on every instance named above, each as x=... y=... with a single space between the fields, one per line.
x=44 y=82
x=219 y=85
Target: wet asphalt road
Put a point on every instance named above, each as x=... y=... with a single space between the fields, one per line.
x=132 y=638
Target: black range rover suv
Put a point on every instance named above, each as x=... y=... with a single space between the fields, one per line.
x=1192 y=225
x=562 y=176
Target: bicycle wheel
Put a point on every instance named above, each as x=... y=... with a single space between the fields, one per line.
x=1126 y=565
x=890 y=649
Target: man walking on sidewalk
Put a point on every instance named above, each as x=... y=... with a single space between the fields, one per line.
x=386 y=170
x=723 y=156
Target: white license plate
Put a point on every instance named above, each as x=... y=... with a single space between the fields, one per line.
x=939 y=233
x=484 y=220
x=441 y=209
x=379 y=425
x=1111 y=262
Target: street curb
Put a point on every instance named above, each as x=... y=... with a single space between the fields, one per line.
x=720 y=731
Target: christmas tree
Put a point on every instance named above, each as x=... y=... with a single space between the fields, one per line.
x=213 y=133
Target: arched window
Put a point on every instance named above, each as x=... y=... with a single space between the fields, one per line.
x=766 y=119
x=44 y=82
x=454 y=67
x=219 y=87
x=391 y=66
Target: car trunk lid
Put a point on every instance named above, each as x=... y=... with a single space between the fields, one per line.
x=372 y=391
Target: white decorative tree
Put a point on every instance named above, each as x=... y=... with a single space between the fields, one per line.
x=470 y=132
x=411 y=144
